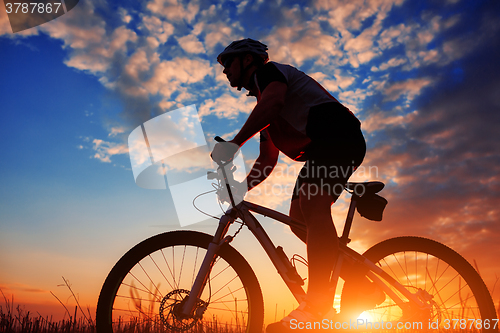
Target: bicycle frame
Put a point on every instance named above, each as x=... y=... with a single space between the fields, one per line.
x=420 y=278
x=287 y=272
x=281 y=262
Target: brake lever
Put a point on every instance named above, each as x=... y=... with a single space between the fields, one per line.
x=212 y=175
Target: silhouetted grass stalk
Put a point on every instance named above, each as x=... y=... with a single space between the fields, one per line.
x=15 y=319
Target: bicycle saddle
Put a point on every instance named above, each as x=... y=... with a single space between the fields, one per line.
x=369 y=187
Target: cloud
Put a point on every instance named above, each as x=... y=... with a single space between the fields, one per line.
x=338 y=81
x=361 y=48
x=158 y=29
x=20 y=287
x=96 y=53
x=416 y=38
x=126 y=18
x=347 y=18
x=174 y=10
x=227 y=106
x=313 y=44
x=394 y=62
x=241 y=6
x=139 y=63
x=380 y=120
x=441 y=163
x=298 y=40
x=168 y=75
x=425 y=86
x=349 y=15
x=216 y=33
x=189 y=162
x=91 y=46
x=408 y=89
x=393 y=36
x=339 y=36
x=104 y=150
x=116 y=130
x=191 y=44
x=353 y=99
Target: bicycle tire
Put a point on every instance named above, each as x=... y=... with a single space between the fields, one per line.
x=457 y=292
x=233 y=296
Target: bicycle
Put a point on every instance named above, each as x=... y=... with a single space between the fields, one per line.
x=187 y=281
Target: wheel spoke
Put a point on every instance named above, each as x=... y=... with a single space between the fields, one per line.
x=445 y=282
x=151 y=295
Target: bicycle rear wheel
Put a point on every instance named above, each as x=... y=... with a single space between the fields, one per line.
x=143 y=289
x=459 y=299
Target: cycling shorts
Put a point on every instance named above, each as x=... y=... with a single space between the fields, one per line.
x=336 y=151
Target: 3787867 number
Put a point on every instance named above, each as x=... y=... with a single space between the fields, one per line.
x=33 y=7
x=470 y=324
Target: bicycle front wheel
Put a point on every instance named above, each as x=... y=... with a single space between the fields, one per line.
x=457 y=298
x=143 y=291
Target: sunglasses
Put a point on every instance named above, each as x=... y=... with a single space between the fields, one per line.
x=227 y=63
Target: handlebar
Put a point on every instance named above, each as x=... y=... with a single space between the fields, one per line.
x=219 y=139
x=229 y=147
x=225 y=173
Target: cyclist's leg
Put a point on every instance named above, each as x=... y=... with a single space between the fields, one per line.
x=317 y=188
x=350 y=270
x=322 y=245
x=358 y=285
x=296 y=214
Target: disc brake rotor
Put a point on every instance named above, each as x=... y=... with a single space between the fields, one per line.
x=171 y=311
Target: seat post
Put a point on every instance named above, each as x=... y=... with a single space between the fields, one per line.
x=348 y=222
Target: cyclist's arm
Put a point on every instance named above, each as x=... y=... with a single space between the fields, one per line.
x=267 y=109
x=264 y=164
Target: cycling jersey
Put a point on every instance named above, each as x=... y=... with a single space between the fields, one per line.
x=307 y=107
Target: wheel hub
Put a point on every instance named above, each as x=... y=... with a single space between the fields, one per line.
x=171 y=311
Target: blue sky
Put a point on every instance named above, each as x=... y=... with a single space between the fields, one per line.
x=421 y=76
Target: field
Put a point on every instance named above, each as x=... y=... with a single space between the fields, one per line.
x=15 y=319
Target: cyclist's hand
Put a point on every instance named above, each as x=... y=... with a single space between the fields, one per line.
x=224 y=151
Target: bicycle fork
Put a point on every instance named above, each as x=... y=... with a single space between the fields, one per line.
x=203 y=274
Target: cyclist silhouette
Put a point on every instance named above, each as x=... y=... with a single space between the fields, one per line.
x=295 y=115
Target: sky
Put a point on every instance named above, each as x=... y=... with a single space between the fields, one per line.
x=422 y=76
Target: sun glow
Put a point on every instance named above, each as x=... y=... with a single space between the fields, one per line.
x=365 y=316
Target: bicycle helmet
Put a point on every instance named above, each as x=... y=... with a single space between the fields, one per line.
x=241 y=47
x=247 y=45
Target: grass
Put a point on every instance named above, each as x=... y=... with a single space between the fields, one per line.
x=15 y=319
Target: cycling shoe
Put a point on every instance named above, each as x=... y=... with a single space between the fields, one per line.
x=302 y=318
